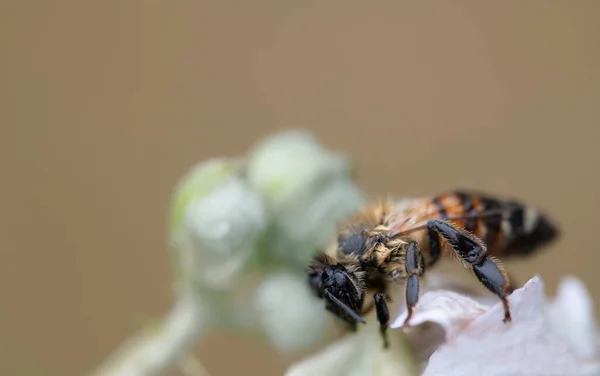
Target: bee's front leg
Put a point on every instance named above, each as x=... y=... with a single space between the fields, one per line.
x=383 y=316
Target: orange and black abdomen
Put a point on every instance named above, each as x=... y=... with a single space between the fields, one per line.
x=508 y=227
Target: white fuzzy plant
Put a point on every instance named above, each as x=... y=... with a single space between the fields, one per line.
x=242 y=231
x=233 y=219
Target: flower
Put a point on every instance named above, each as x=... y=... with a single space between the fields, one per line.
x=461 y=332
x=556 y=337
x=232 y=220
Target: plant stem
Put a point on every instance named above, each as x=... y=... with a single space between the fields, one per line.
x=151 y=354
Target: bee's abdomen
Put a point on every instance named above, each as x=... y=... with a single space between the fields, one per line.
x=527 y=230
x=508 y=227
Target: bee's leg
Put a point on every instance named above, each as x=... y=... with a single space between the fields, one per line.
x=472 y=250
x=377 y=284
x=414 y=265
x=383 y=316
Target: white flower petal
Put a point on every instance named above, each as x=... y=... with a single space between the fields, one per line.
x=468 y=287
x=526 y=346
x=572 y=317
x=448 y=309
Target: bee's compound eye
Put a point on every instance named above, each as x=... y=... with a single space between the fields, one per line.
x=353 y=244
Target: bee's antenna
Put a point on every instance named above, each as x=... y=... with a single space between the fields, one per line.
x=343 y=306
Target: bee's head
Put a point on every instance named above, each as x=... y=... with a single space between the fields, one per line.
x=325 y=273
x=341 y=289
x=339 y=285
x=337 y=279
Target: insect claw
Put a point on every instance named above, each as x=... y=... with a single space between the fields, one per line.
x=408 y=317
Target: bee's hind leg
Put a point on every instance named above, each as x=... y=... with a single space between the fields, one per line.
x=472 y=251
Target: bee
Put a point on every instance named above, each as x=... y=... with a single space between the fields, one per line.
x=396 y=242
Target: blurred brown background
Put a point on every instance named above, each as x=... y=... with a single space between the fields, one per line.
x=106 y=104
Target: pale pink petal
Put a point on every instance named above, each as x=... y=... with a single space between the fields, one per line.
x=526 y=346
x=572 y=317
x=470 y=287
x=448 y=309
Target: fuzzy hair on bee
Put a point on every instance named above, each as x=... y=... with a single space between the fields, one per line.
x=396 y=242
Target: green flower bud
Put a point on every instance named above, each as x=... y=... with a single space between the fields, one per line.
x=217 y=222
x=308 y=190
x=292 y=164
x=291 y=317
x=310 y=223
x=197 y=183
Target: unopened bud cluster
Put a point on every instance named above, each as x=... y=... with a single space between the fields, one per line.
x=269 y=211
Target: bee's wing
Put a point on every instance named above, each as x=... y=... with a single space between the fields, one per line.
x=412 y=215
x=417 y=217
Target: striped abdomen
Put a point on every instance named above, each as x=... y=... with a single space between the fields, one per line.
x=507 y=227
